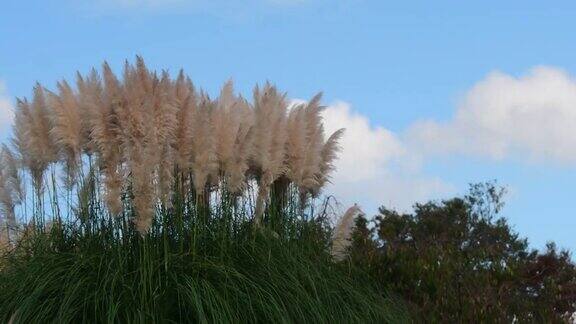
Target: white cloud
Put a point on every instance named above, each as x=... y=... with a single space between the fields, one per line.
x=531 y=117
x=365 y=149
x=6 y=112
x=375 y=168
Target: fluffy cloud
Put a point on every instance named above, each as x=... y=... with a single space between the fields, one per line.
x=375 y=167
x=6 y=112
x=531 y=117
x=365 y=149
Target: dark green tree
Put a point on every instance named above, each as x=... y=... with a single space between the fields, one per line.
x=459 y=261
x=364 y=248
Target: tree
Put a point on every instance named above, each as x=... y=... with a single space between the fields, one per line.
x=458 y=261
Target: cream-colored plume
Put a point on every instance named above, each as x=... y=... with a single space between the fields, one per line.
x=296 y=145
x=269 y=140
x=66 y=129
x=186 y=105
x=6 y=200
x=10 y=168
x=148 y=132
x=11 y=189
x=104 y=101
x=328 y=155
x=233 y=121
x=304 y=145
x=341 y=239
x=203 y=161
x=166 y=118
x=32 y=128
x=140 y=139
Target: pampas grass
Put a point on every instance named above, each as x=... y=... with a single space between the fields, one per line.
x=32 y=137
x=342 y=236
x=100 y=104
x=233 y=124
x=66 y=129
x=203 y=161
x=145 y=130
x=11 y=172
x=11 y=190
x=269 y=142
x=6 y=200
x=187 y=208
x=328 y=155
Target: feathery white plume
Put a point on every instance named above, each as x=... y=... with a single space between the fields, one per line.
x=146 y=130
x=341 y=239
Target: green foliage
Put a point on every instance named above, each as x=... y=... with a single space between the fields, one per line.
x=456 y=261
x=197 y=264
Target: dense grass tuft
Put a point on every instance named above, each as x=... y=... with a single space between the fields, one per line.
x=103 y=271
x=170 y=207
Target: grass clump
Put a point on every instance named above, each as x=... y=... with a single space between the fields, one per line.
x=153 y=203
x=72 y=275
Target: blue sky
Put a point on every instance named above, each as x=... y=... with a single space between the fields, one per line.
x=439 y=93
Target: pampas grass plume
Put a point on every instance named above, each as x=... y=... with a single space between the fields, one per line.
x=146 y=131
x=341 y=239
